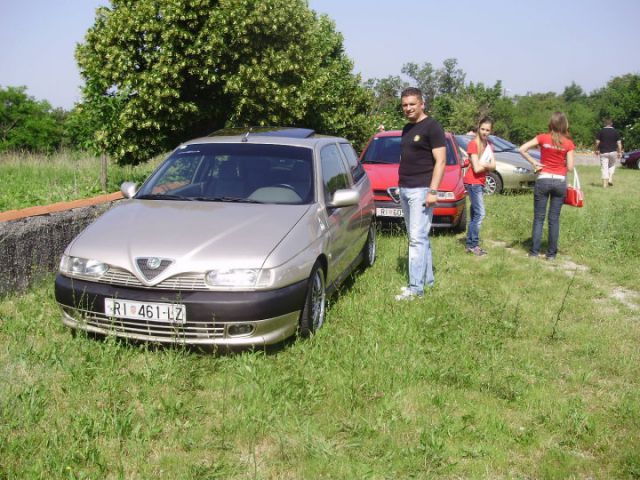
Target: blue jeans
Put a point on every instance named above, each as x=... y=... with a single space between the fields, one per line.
x=417 y=218
x=552 y=191
x=476 y=197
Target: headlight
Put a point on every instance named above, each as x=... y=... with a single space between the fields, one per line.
x=239 y=278
x=82 y=266
x=446 y=196
x=521 y=170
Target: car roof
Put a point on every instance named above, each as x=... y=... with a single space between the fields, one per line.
x=302 y=137
x=397 y=133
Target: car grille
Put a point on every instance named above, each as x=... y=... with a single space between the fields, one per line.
x=119 y=276
x=146 y=330
x=381 y=193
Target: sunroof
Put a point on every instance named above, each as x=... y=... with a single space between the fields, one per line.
x=290 y=132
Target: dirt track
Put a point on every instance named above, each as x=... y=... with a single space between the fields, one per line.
x=586 y=159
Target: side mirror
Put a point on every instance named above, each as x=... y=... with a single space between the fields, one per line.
x=128 y=189
x=344 y=198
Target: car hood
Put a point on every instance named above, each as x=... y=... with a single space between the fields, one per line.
x=195 y=235
x=385 y=176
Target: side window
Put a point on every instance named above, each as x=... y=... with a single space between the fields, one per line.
x=357 y=172
x=334 y=172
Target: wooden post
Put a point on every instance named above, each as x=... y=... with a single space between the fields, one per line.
x=103 y=172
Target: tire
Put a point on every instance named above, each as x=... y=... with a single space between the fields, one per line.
x=638 y=163
x=461 y=226
x=370 y=249
x=493 y=184
x=313 y=311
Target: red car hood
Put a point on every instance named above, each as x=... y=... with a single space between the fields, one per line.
x=385 y=176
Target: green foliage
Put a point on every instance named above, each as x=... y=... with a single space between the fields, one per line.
x=27 y=124
x=158 y=73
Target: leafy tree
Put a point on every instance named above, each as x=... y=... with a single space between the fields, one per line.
x=573 y=93
x=386 y=109
x=159 y=72
x=450 y=78
x=620 y=101
x=28 y=124
x=425 y=78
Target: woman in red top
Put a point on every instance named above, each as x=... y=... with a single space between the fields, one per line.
x=481 y=161
x=556 y=157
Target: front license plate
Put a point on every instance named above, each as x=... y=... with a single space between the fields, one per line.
x=154 y=312
x=389 y=212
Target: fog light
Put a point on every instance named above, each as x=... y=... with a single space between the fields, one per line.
x=240 y=329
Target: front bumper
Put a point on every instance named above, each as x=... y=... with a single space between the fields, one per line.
x=445 y=214
x=272 y=316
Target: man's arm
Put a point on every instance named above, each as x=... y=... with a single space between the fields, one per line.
x=440 y=160
x=619 y=148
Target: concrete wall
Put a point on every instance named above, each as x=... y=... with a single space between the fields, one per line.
x=32 y=246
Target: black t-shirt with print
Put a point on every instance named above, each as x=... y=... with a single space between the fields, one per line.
x=416 y=158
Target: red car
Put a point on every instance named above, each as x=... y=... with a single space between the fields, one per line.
x=381 y=158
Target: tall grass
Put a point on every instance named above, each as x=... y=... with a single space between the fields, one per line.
x=29 y=180
x=509 y=368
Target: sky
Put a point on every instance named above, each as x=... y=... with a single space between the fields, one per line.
x=530 y=45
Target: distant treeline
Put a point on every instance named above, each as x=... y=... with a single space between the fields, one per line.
x=27 y=124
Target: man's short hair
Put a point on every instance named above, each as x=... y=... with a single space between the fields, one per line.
x=412 y=92
x=608 y=122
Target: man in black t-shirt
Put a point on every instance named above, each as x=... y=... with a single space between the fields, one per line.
x=422 y=162
x=609 y=149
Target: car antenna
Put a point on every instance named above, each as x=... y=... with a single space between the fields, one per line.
x=246 y=135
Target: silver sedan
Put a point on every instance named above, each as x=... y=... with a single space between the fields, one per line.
x=235 y=240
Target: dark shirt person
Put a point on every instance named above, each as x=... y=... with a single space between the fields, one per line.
x=422 y=163
x=609 y=149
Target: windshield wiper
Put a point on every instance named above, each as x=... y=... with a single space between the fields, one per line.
x=224 y=199
x=159 y=196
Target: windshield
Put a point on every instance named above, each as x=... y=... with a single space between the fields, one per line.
x=387 y=150
x=234 y=172
x=501 y=145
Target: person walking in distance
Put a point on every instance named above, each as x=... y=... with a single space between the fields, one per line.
x=481 y=161
x=422 y=163
x=556 y=157
x=609 y=149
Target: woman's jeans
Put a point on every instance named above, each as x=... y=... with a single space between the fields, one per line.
x=552 y=191
x=476 y=196
x=417 y=218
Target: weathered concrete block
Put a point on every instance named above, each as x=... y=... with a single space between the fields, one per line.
x=32 y=246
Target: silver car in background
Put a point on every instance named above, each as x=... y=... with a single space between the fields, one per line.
x=235 y=240
x=512 y=171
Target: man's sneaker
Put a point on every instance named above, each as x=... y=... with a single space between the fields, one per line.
x=407 y=295
x=477 y=251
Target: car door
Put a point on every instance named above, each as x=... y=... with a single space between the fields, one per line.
x=342 y=222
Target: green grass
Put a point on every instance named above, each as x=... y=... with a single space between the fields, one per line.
x=30 y=180
x=509 y=368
